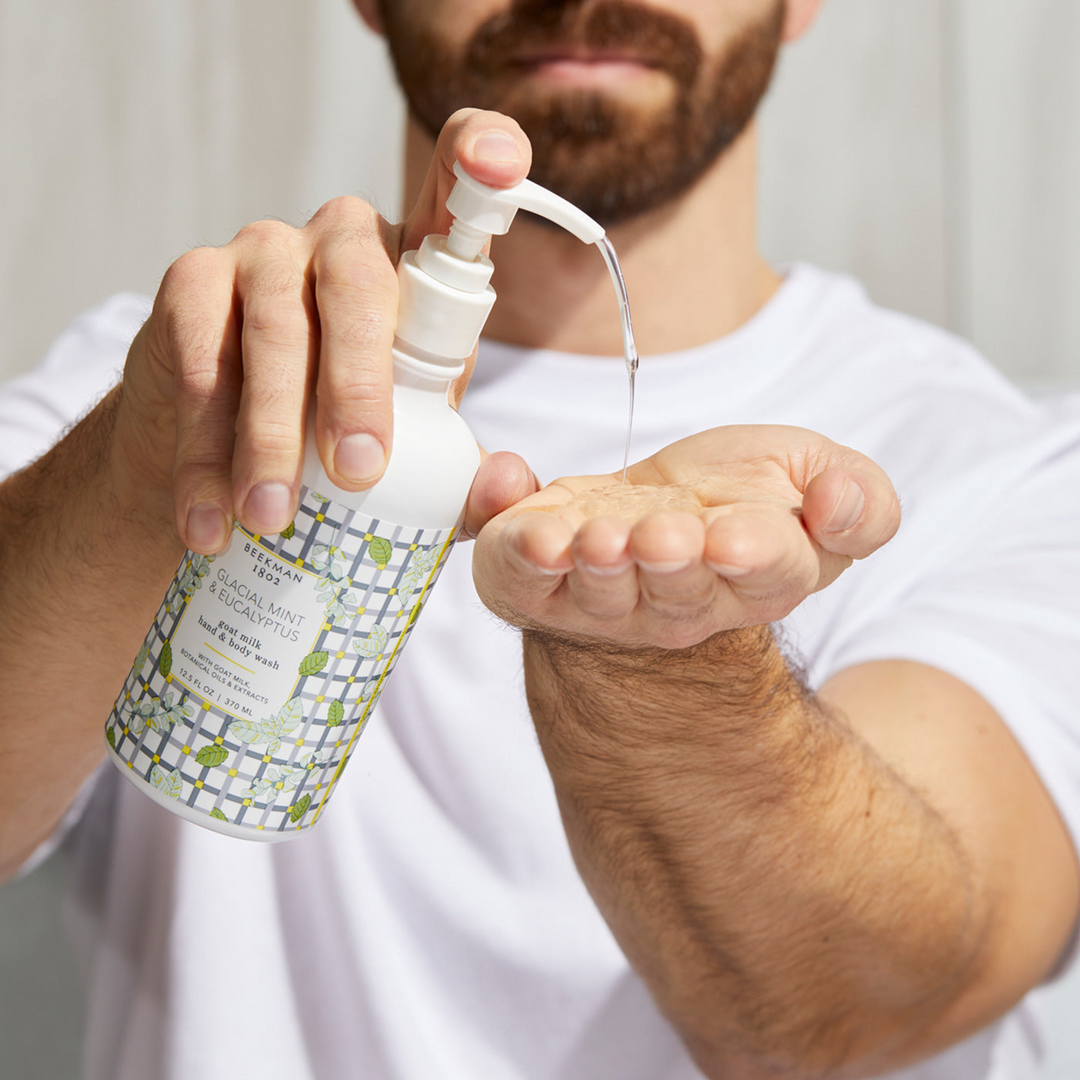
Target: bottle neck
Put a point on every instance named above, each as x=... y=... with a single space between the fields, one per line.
x=419 y=370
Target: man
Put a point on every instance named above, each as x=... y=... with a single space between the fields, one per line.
x=845 y=874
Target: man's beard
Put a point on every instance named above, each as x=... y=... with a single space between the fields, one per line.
x=609 y=157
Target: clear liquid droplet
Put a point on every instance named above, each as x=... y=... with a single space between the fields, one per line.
x=629 y=347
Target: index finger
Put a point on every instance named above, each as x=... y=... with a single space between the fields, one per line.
x=356 y=290
x=491 y=147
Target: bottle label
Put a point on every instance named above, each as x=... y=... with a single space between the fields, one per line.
x=264 y=663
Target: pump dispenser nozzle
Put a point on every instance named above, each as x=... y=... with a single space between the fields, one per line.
x=446 y=295
x=482 y=211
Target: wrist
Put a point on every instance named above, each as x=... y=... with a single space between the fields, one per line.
x=741 y=664
x=719 y=699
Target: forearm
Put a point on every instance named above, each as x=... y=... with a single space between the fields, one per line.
x=791 y=902
x=83 y=565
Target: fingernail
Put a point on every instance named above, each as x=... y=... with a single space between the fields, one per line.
x=207 y=528
x=359 y=458
x=547 y=571
x=268 y=507
x=496 y=146
x=727 y=570
x=672 y=566
x=848 y=508
x=603 y=571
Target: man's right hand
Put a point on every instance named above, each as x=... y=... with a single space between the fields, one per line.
x=211 y=424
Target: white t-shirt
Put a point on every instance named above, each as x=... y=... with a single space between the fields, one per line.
x=434 y=925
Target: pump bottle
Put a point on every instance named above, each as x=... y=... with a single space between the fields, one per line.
x=264 y=663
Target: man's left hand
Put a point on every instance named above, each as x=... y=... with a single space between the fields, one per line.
x=730 y=528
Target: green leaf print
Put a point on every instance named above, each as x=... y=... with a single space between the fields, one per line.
x=289 y=532
x=110 y=737
x=328 y=562
x=216 y=813
x=271 y=729
x=165 y=659
x=159 y=714
x=380 y=550
x=169 y=782
x=144 y=652
x=196 y=567
x=335 y=714
x=300 y=808
x=170 y=714
x=212 y=756
x=423 y=562
x=283 y=778
x=372 y=645
x=313 y=663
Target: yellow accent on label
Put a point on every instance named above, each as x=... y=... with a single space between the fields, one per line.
x=266 y=757
x=157 y=758
x=351 y=678
x=320 y=697
x=187 y=749
x=232 y=772
x=320 y=517
x=367 y=536
x=298 y=561
x=218 y=740
x=393 y=592
x=299 y=742
x=279 y=785
x=250 y=671
x=247 y=802
x=168 y=678
x=206 y=706
x=131 y=764
x=198 y=783
x=341 y=656
x=412 y=547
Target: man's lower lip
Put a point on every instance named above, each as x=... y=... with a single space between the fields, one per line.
x=587 y=72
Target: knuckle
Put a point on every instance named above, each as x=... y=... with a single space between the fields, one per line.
x=195 y=380
x=265 y=233
x=201 y=473
x=345 y=212
x=357 y=272
x=343 y=389
x=195 y=270
x=365 y=334
x=277 y=324
x=270 y=437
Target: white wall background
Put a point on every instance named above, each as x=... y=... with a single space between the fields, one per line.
x=931 y=147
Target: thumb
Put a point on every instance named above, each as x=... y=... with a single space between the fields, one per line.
x=502 y=480
x=851 y=511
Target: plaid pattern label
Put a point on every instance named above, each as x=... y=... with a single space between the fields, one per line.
x=264 y=663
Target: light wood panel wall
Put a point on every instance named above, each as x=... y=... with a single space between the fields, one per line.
x=930 y=147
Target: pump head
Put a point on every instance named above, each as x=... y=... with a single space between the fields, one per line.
x=445 y=294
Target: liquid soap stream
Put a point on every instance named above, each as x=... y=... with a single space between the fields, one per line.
x=629 y=348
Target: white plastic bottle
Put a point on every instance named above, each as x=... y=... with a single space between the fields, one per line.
x=264 y=663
